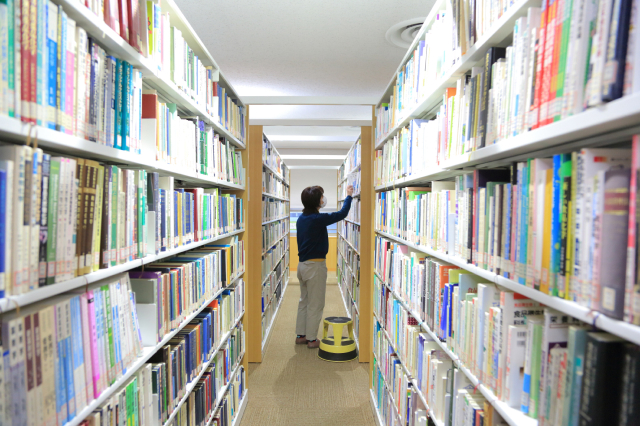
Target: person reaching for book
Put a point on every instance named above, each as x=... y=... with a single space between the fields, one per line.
x=313 y=246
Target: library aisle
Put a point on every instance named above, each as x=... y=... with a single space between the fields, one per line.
x=293 y=387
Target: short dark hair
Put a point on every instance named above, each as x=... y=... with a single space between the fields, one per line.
x=311 y=197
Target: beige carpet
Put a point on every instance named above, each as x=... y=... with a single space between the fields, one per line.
x=293 y=387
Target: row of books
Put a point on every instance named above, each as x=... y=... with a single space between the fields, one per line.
x=279 y=253
x=350 y=232
x=230 y=405
x=347 y=276
x=408 y=153
x=552 y=224
x=559 y=65
x=271 y=309
x=271 y=158
x=272 y=233
x=353 y=179
x=350 y=304
x=273 y=281
x=148 y=29
x=351 y=161
x=150 y=397
x=274 y=209
x=60 y=356
x=351 y=259
x=274 y=186
x=165 y=298
x=354 y=212
x=56 y=76
x=510 y=343
x=188 y=143
x=450 y=397
x=80 y=215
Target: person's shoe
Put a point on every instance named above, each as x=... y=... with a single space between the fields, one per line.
x=301 y=340
x=314 y=344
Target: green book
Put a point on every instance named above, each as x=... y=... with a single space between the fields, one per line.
x=115 y=186
x=536 y=350
x=565 y=208
x=111 y=347
x=52 y=218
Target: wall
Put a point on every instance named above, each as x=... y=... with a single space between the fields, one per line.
x=302 y=178
x=332 y=256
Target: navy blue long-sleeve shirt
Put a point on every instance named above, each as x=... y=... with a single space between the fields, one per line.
x=313 y=240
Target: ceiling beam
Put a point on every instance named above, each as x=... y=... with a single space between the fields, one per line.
x=310 y=100
x=308 y=122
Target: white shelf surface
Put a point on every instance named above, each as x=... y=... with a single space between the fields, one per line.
x=374 y=407
x=273 y=319
x=277 y=197
x=501 y=30
x=42 y=293
x=351 y=221
x=147 y=352
x=622 y=329
x=14 y=130
x=275 y=220
x=118 y=47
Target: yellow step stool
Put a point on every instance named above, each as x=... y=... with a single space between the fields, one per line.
x=343 y=350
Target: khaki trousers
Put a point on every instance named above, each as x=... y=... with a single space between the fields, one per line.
x=313 y=286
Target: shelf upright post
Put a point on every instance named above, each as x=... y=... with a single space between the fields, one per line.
x=367 y=238
x=253 y=296
x=245 y=237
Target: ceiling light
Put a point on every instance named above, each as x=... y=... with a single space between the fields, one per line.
x=403 y=33
x=312 y=157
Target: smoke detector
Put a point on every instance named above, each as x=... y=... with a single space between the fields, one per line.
x=402 y=34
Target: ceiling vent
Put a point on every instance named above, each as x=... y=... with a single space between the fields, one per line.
x=402 y=34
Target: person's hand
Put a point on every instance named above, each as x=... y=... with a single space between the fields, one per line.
x=350 y=190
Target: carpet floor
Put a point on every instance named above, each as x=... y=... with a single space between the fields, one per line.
x=293 y=387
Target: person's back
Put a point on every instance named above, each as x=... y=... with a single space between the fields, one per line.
x=313 y=246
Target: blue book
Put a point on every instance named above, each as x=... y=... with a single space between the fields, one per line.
x=117 y=142
x=92 y=130
x=62 y=69
x=175 y=218
x=3 y=218
x=76 y=341
x=127 y=94
x=555 y=226
x=115 y=317
x=163 y=219
x=52 y=64
x=524 y=220
x=61 y=392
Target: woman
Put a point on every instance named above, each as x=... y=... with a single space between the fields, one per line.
x=313 y=245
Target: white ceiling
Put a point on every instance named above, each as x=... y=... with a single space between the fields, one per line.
x=305 y=52
x=303 y=48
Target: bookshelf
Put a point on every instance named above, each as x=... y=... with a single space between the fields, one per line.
x=222 y=181
x=348 y=269
x=355 y=242
x=268 y=217
x=451 y=166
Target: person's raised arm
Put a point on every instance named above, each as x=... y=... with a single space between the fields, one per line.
x=331 y=218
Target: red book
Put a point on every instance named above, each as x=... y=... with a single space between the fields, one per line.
x=150 y=105
x=133 y=13
x=547 y=71
x=25 y=61
x=124 y=19
x=535 y=109
x=111 y=15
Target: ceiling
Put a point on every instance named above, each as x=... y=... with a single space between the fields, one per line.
x=300 y=52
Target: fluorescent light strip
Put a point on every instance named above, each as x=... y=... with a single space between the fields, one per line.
x=312 y=157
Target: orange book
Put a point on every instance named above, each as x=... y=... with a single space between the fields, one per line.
x=545 y=93
x=546 y=240
x=557 y=51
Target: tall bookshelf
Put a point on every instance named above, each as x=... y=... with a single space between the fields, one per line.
x=111 y=267
x=355 y=239
x=269 y=216
x=447 y=174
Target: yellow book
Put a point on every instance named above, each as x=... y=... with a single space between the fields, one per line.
x=546 y=245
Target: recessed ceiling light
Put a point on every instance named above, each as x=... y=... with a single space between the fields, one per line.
x=403 y=33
